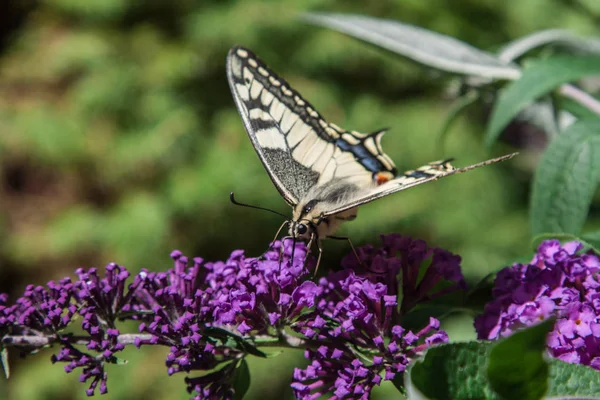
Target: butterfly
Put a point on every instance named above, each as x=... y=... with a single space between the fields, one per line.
x=322 y=171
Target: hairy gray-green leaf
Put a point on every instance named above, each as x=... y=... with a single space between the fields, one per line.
x=539 y=78
x=573 y=380
x=421 y=45
x=458 y=370
x=565 y=180
x=516 y=368
x=562 y=37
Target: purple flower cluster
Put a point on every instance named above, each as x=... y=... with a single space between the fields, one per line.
x=357 y=317
x=203 y=311
x=42 y=313
x=262 y=295
x=559 y=281
x=179 y=309
x=211 y=315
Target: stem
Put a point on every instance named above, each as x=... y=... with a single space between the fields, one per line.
x=41 y=341
x=284 y=340
x=581 y=97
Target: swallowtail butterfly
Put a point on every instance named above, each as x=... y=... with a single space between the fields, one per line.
x=323 y=171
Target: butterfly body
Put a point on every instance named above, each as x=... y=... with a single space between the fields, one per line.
x=312 y=213
x=321 y=170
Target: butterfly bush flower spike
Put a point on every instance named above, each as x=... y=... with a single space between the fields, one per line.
x=40 y=316
x=357 y=317
x=560 y=281
x=203 y=310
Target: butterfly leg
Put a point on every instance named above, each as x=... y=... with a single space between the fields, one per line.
x=351 y=246
x=309 y=247
x=319 y=257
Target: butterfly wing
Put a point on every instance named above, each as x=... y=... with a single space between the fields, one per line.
x=297 y=147
x=427 y=173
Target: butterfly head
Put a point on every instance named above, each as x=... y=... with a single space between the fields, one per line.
x=303 y=229
x=306 y=220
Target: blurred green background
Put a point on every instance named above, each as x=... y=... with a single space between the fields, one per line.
x=119 y=141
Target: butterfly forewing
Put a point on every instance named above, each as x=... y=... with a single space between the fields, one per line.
x=298 y=148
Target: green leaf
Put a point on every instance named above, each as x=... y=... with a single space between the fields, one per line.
x=457 y=369
x=565 y=180
x=241 y=380
x=539 y=78
x=220 y=333
x=230 y=339
x=429 y=48
x=593 y=238
x=573 y=380
x=4 y=362
x=250 y=348
x=575 y=108
x=272 y=354
x=563 y=37
x=517 y=369
x=398 y=382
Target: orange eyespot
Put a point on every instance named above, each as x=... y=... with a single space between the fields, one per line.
x=382 y=177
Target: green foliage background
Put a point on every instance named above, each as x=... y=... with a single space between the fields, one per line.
x=119 y=141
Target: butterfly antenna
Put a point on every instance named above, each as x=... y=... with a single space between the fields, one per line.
x=237 y=203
